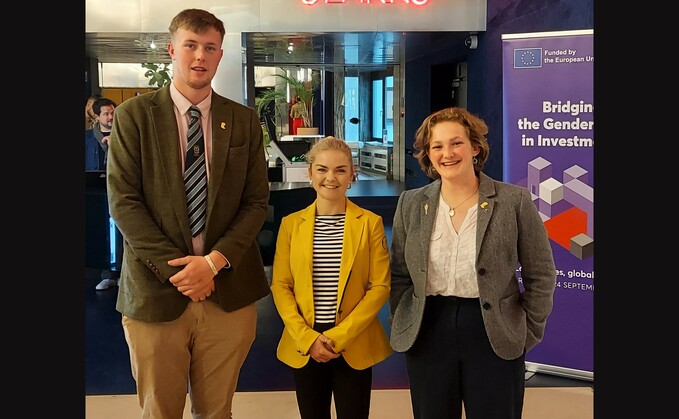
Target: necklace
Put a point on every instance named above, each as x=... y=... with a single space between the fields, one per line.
x=451 y=211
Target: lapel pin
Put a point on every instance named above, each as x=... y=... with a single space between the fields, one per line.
x=223 y=125
x=484 y=204
x=426 y=209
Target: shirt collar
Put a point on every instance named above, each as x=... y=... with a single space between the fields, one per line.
x=183 y=104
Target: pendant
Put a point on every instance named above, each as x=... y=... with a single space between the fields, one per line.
x=451 y=212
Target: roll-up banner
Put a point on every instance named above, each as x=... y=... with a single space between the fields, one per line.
x=548 y=139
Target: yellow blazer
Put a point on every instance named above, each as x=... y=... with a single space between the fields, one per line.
x=364 y=286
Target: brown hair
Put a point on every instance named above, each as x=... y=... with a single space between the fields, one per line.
x=99 y=103
x=476 y=130
x=196 y=20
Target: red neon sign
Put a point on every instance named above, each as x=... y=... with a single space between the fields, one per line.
x=413 y=2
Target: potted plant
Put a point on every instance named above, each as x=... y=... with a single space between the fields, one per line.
x=300 y=88
x=158 y=74
x=263 y=103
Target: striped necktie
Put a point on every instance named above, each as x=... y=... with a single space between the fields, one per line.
x=195 y=175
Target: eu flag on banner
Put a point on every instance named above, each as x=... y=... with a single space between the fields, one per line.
x=528 y=58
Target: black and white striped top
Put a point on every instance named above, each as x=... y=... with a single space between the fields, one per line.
x=327 y=253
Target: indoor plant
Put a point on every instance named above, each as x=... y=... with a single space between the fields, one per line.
x=304 y=89
x=158 y=74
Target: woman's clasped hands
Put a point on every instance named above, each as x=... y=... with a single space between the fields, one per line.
x=321 y=350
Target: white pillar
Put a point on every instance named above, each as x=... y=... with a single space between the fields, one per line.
x=229 y=78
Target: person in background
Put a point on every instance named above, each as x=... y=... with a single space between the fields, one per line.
x=187 y=298
x=104 y=109
x=458 y=309
x=96 y=138
x=330 y=279
x=96 y=147
x=90 y=117
x=296 y=113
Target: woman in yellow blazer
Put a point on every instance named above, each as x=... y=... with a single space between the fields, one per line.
x=331 y=277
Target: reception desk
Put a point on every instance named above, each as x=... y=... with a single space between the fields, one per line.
x=103 y=241
x=378 y=196
x=284 y=198
x=97 y=244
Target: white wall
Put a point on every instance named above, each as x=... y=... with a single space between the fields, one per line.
x=291 y=15
x=228 y=80
x=283 y=16
x=123 y=75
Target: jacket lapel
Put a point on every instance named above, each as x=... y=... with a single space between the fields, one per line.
x=164 y=121
x=306 y=231
x=222 y=131
x=485 y=210
x=353 y=231
x=427 y=210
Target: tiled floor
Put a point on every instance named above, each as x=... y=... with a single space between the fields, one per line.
x=539 y=403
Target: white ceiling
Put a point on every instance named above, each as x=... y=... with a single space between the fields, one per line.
x=344 y=48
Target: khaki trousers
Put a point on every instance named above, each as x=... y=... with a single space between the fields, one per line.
x=200 y=352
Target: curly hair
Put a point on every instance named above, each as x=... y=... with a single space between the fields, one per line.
x=476 y=130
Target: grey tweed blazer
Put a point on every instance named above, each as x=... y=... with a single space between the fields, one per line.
x=510 y=233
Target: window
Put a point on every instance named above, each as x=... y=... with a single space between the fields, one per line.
x=377 y=109
x=351 y=108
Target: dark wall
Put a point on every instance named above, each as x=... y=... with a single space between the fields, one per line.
x=420 y=87
x=484 y=66
x=91 y=78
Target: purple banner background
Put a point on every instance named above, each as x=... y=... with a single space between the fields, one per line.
x=549 y=150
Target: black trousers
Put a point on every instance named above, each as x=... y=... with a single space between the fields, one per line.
x=452 y=363
x=316 y=382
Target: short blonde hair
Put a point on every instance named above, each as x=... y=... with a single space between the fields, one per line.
x=329 y=143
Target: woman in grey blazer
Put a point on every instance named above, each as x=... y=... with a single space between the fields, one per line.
x=459 y=311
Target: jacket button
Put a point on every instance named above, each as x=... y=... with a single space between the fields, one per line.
x=482 y=271
x=486 y=306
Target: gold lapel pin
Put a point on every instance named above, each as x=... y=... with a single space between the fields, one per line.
x=484 y=204
x=426 y=209
x=223 y=125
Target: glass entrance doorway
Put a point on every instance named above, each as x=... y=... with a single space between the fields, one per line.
x=359 y=77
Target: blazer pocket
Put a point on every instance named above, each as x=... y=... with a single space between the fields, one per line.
x=236 y=161
x=405 y=314
x=513 y=317
x=406 y=323
x=239 y=152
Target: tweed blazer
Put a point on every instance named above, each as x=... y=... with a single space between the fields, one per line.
x=509 y=233
x=363 y=289
x=148 y=204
